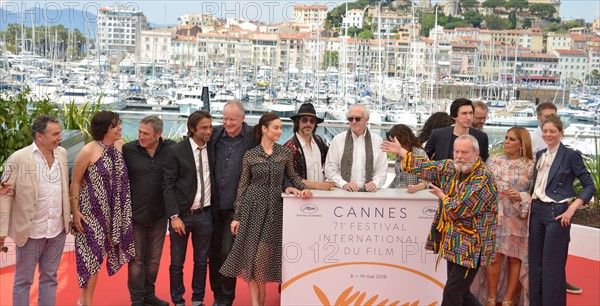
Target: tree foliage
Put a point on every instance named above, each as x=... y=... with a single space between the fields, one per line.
x=366 y=34
x=469 y=4
x=542 y=10
x=474 y=18
x=54 y=38
x=495 y=22
x=330 y=59
x=517 y=5
x=512 y=18
x=494 y=3
x=16 y=114
x=335 y=16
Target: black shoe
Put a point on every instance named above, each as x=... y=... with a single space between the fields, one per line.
x=137 y=303
x=572 y=289
x=155 y=301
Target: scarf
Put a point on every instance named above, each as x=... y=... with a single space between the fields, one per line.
x=346 y=165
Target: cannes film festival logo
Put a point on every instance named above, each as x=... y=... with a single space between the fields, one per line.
x=429 y=211
x=309 y=209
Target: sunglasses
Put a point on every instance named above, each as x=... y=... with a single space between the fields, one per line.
x=357 y=119
x=312 y=120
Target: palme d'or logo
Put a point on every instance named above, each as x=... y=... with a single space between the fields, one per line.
x=360 y=298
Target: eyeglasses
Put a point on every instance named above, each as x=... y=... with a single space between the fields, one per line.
x=305 y=120
x=357 y=119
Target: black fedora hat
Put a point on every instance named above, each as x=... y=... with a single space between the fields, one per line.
x=307 y=109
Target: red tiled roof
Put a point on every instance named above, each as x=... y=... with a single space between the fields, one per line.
x=570 y=52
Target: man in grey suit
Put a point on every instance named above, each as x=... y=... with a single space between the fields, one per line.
x=36 y=213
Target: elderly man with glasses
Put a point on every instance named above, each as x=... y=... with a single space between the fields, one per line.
x=308 y=148
x=354 y=161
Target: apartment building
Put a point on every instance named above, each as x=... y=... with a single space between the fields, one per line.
x=305 y=15
x=532 y=39
x=353 y=18
x=156 y=44
x=464 y=60
x=200 y=20
x=556 y=41
x=572 y=64
x=119 y=30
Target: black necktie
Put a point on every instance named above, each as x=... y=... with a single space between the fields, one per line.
x=201 y=174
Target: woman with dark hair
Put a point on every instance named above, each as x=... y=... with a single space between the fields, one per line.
x=404 y=135
x=435 y=121
x=553 y=204
x=258 y=219
x=513 y=173
x=101 y=205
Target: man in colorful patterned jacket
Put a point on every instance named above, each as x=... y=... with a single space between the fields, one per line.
x=464 y=228
x=308 y=148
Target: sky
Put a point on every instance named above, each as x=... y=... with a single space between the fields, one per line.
x=167 y=11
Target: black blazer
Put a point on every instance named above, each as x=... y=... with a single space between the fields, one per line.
x=180 y=183
x=567 y=165
x=249 y=143
x=439 y=144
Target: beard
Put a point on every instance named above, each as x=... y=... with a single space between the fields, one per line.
x=464 y=167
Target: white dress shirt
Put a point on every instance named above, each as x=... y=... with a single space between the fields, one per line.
x=312 y=157
x=333 y=170
x=537 y=142
x=543 y=167
x=48 y=217
x=205 y=172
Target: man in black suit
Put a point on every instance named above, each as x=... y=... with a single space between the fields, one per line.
x=187 y=194
x=228 y=144
x=440 y=144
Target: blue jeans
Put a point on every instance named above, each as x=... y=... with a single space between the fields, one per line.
x=143 y=269
x=200 y=227
x=548 y=251
x=45 y=252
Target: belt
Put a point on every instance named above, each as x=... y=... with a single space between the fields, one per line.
x=546 y=203
x=199 y=210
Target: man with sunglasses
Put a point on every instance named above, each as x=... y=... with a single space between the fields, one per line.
x=354 y=161
x=308 y=148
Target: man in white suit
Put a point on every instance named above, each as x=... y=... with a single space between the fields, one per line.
x=36 y=212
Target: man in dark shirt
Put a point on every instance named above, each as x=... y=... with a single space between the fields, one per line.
x=440 y=144
x=228 y=142
x=144 y=158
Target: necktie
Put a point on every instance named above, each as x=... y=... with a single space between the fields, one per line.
x=201 y=174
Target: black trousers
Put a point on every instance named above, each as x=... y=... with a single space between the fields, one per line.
x=457 y=290
x=222 y=241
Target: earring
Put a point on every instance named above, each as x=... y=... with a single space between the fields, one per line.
x=521 y=151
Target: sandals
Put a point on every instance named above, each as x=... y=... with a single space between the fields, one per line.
x=507 y=303
x=491 y=302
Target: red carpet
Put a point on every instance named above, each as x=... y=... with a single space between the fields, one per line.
x=113 y=291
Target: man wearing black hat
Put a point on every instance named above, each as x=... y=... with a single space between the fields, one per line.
x=308 y=148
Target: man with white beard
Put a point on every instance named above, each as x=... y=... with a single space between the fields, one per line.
x=464 y=228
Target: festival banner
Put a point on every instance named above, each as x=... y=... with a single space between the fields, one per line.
x=342 y=248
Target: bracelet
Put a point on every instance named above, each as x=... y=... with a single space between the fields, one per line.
x=74 y=197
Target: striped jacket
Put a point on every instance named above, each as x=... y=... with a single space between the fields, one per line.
x=464 y=227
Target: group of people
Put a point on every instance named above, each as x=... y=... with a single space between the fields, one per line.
x=222 y=186
x=510 y=210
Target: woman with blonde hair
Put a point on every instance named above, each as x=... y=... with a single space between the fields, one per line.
x=553 y=204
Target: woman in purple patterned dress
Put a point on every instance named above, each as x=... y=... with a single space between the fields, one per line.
x=101 y=205
x=513 y=173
